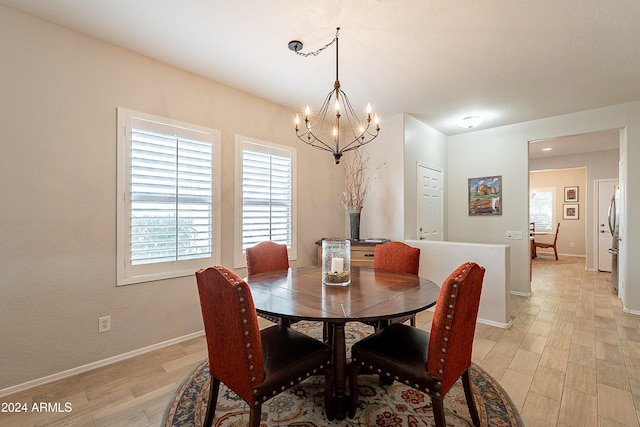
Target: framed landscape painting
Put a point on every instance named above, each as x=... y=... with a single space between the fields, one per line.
x=485 y=196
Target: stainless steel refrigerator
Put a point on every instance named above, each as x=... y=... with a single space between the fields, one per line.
x=614 y=223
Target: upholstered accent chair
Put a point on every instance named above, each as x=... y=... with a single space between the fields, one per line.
x=548 y=245
x=430 y=362
x=267 y=256
x=255 y=364
x=401 y=258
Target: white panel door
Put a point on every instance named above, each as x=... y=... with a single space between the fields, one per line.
x=430 y=204
x=605 y=192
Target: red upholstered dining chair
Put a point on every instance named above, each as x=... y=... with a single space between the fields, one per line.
x=267 y=256
x=254 y=364
x=401 y=258
x=430 y=362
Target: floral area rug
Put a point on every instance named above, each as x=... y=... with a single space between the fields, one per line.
x=392 y=405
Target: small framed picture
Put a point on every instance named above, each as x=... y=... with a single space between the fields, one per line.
x=570 y=194
x=571 y=211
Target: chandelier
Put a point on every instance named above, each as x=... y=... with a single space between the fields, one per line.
x=336 y=123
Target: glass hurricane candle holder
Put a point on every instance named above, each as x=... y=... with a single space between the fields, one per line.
x=336 y=262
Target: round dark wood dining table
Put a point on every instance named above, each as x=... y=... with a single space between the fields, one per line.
x=373 y=296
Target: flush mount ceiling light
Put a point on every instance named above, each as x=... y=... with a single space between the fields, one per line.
x=470 y=122
x=354 y=132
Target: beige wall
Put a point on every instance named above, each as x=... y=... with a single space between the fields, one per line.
x=571 y=231
x=58 y=105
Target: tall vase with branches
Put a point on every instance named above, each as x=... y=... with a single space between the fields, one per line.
x=357 y=179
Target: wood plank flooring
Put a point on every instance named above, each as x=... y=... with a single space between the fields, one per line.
x=572 y=358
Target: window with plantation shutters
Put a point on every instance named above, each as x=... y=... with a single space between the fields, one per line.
x=167 y=205
x=542 y=208
x=265 y=195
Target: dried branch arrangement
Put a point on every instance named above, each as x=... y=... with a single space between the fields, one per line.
x=356 y=179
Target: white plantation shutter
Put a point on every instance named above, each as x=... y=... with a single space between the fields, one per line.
x=266 y=195
x=542 y=208
x=168 y=214
x=171 y=180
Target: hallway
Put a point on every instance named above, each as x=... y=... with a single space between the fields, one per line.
x=572 y=356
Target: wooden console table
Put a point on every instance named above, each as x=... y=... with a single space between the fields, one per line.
x=361 y=253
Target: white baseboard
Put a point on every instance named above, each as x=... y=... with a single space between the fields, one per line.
x=521 y=294
x=496 y=324
x=97 y=364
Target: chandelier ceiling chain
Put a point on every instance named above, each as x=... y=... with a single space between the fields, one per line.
x=357 y=132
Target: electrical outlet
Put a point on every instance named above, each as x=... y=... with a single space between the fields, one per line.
x=104 y=324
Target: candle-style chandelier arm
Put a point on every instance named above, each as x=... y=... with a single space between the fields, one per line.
x=360 y=132
x=312 y=128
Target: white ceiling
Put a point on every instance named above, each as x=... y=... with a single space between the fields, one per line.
x=568 y=145
x=508 y=60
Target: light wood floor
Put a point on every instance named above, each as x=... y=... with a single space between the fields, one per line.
x=572 y=358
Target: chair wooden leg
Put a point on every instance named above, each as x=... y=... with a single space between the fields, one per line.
x=413 y=321
x=468 y=394
x=354 y=371
x=437 y=404
x=214 y=387
x=255 y=413
x=556 y=252
x=329 y=383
